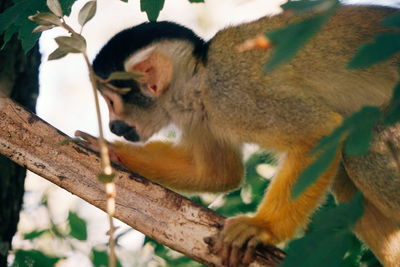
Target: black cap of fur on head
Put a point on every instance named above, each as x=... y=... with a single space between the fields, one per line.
x=112 y=56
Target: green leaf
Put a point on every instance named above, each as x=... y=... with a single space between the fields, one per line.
x=392 y=20
x=42 y=28
x=87 y=12
x=14 y=20
x=369 y=259
x=33 y=258
x=290 y=39
x=360 y=135
x=100 y=258
x=34 y=234
x=309 y=5
x=392 y=114
x=78 y=226
x=55 y=7
x=333 y=139
x=104 y=178
x=342 y=216
x=330 y=240
x=311 y=174
x=358 y=128
x=46 y=19
x=323 y=249
x=67 y=5
x=8 y=34
x=384 y=46
x=152 y=8
x=57 y=54
x=124 y=75
x=353 y=255
x=71 y=44
x=233 y=202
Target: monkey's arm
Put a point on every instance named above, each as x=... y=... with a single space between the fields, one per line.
x=214 y=167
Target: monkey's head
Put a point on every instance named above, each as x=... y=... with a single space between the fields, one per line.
x=162 y=53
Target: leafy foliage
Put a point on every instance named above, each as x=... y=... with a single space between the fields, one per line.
x=14 y=20
x=34 y=234
x=290 y=39
x=33 y=258
x=247 y=198
x=77 y=233
x=78 y=226
x=384 y=46
x=309 y=5
x=358 y=130
x=330 y=238
x=152 y=8
x=392 y=20
x=87 y=12
x=100 y=258
x=176 y=260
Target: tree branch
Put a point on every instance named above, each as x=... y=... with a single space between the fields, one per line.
x=151 y=209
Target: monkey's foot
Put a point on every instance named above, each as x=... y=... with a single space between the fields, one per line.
x=239 y=239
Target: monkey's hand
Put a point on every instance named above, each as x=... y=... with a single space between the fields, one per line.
x=92 y=143
x=239 y=239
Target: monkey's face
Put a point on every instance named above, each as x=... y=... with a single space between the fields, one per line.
x=141 y=112
x=133 y=115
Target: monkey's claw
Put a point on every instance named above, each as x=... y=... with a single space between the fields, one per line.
x=88 y=140
x=238 y=240
x=92 y=143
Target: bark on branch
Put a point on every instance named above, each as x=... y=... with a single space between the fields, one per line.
x=151 y=209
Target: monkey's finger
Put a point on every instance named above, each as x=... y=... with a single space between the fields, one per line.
x=85 y=136
x=245 y=235
x=88 y=140
x=250 y=249
x=234 y=257
x=214 y=243
x=232 y=232
x=225 y=254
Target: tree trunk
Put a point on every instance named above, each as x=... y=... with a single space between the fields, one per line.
x=18 y=80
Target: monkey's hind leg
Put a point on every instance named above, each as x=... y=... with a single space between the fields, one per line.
x=278 y=216
x=377 y=174
x=379 y=232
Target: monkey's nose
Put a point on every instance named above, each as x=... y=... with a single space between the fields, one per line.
x=119 y=127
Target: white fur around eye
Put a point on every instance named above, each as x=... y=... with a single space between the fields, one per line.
x=137 y=57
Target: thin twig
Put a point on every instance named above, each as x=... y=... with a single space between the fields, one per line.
x=104 y=154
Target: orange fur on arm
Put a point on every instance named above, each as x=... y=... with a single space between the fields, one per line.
x=176 y=167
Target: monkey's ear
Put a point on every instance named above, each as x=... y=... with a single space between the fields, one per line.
x=156 y=69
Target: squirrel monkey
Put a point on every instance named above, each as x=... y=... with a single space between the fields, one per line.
x=219 y=98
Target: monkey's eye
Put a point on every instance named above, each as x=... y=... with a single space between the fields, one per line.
x=111 y=103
